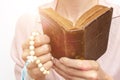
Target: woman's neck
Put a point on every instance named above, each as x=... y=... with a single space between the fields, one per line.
x=72 y=9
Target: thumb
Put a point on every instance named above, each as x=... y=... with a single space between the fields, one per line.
x=79 y=64
x=74 y=63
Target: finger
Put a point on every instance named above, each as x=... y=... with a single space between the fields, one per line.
x=43 y=59
x=65 y=69
x=60 y=68
x=80 y=64
x=48 y=65
x=66 y=72
x=66 y=75
x=63 y=74
x=42 y=39
x=39 y=40
x=44 y=49
x=25 y=45
x=75 y=73
x=35 y=73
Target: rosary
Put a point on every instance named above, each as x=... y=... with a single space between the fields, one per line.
x=32 y=57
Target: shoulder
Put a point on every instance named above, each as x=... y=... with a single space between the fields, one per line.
x=28 y=23
x=31 y=21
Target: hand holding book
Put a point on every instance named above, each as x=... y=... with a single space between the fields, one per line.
x=87 y=39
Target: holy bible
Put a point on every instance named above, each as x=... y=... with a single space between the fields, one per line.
x=86 y=39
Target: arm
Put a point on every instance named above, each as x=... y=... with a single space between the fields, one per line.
x=25 y=25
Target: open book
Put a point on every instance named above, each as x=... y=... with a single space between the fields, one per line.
x=86 y=39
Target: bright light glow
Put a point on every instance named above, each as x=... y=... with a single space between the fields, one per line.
x=114 y=1
x=10 y=11
x=23 y=6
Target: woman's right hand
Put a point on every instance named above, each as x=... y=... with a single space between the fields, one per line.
x=42 y=51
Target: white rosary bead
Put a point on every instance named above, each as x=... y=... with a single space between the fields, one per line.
x=40 y=65
x=42 y=69
x=48 y=72
x=34 y=57
x=31 y=42
x=37 y=33
x=37 y=61
x=45 y=72
x=29 y=61
x=31 y=58
x=32 y=52
x=31 y=38
x=33 y=33
x=31 y=48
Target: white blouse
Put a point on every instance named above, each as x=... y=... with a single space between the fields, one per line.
x=110 y=61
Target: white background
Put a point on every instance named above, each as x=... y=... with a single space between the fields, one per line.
x=10 y=11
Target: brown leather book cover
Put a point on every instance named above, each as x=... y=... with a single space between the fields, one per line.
x=87 y=39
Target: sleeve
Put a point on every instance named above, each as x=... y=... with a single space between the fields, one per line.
x=24 y=74
x=111 y=58
x=24 y=26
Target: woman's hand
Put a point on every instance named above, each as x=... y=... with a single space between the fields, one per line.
x=42 y=51
x=75 y=69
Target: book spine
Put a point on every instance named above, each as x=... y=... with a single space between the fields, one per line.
x=75 y=44
x=63 y=43
x=54 y=31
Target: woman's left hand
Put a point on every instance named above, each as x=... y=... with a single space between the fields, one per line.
x=75 y=69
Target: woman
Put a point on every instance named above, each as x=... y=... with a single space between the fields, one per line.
x=107 y=67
